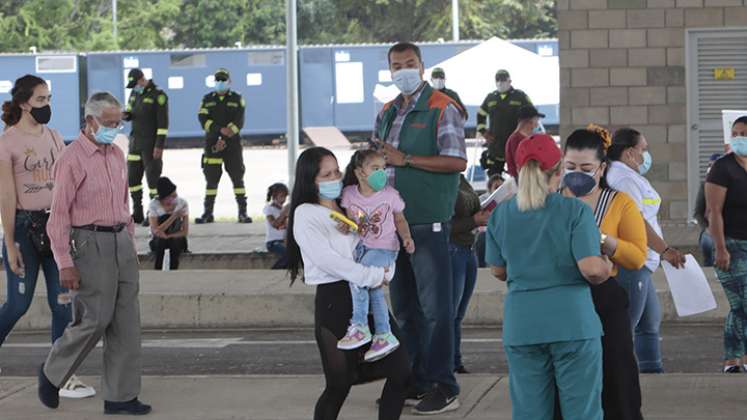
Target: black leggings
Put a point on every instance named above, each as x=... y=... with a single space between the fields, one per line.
x=621 y=392
x=343 y=369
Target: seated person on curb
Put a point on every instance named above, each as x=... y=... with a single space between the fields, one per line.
x=169 y=224
x=276 y=223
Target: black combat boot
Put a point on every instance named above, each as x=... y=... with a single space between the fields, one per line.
x=137 y=207
x=243 y=218
x=207 y=216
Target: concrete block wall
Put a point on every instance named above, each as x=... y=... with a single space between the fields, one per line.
x=622 y=64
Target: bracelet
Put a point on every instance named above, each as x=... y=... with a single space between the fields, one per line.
x=665 y=250
x=408 y=160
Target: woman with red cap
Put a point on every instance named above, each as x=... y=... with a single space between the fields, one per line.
x=546 y=247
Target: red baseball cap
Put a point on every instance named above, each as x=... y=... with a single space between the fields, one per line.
x=539 y=147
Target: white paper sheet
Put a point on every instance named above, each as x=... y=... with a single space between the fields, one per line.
x=689 y=287
x=503 y=193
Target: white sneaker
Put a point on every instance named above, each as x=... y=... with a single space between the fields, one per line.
x=74 y=388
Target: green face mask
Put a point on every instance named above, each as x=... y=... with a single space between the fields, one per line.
x=377 y=180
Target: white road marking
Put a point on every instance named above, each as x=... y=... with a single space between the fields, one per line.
x=217 y=343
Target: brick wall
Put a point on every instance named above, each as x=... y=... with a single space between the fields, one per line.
x=622 y=64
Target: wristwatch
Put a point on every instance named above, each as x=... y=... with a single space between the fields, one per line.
x=408 y=160
x=604 y=238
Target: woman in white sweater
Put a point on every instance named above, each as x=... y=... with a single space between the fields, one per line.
x=316 y=246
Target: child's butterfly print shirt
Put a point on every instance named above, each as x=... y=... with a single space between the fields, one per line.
x=374 y=215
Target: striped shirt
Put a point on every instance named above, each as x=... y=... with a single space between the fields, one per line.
x=450 y=137
x=90 y=189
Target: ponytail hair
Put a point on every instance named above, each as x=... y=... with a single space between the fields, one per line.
x=534 y=185
x=276 y=188
x=623 y=139
x=358 y=160
x=22 y=91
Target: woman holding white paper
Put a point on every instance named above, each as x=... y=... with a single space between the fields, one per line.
x=726 y=200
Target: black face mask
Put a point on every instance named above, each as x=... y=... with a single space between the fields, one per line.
x=42 y=115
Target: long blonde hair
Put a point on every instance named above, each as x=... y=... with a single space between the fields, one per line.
x=534 y=185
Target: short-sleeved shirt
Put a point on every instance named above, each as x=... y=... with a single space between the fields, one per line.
x=374 y=215
x=32 y=158
x=511 y=145
x=622 y=177
x=155 y=208
x=728 y=173
x=271 y=233
x=450 y=136
x=548 y=298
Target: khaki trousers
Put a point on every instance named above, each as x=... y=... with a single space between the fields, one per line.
x=106 y=305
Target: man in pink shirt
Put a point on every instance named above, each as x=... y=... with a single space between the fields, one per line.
x=91 y=233
x=528 y=123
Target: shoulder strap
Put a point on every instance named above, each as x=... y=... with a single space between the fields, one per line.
x=603 y=204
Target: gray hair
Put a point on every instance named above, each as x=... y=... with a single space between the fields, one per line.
x=98 y=101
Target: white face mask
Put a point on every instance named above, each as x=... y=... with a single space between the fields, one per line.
x=503 y=87
x=438 y=83
x=407 y=80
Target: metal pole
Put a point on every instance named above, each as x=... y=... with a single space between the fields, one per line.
x=114 y=20
x=292 y=88
x=455 y=20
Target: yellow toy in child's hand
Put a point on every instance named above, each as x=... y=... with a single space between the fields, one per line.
x=341 y=218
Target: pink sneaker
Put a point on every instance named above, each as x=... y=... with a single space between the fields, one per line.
x=382 y=345
x=357 y=336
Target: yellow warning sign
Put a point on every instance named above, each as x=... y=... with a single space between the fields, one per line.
x=724 y=73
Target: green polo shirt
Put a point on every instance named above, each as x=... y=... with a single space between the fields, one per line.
x=548 y=299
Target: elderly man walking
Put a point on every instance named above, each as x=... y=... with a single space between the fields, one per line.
x=91 y=233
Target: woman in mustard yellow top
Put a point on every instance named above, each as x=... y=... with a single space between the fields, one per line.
x=624 y=241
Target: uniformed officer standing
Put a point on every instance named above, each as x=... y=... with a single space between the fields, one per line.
x=148 y=110
x=221 y=115
x=502 y=108
x=438 y=81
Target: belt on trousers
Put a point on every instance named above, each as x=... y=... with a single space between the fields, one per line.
x=96 y=228
x=33 y=212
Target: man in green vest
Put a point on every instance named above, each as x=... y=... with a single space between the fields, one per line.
x=500 y=110
x=438 y=81
x=421 y=133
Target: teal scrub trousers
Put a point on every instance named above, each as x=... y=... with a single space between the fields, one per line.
x=575 y=367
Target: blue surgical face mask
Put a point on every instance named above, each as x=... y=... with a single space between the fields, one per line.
x=739 y=145
x=647 y=162
x=138 y=89
x=580 y=183
x=538 y=130
x=221 y=86
x=330 y=190
x=407 y=80
x=106 y=135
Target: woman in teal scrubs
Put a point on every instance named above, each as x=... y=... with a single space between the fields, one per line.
x=548 y=249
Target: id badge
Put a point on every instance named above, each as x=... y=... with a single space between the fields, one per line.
x=437 y=227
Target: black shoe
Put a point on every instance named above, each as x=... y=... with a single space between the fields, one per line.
x=49 y=395
x=137 y=215
x=243 y=218
x=461 y=370
x=145 y=223
x=437 y=401
x=205 y=218
x=732 y=369
x=134 y=408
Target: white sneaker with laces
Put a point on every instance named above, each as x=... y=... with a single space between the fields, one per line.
x=74 y=388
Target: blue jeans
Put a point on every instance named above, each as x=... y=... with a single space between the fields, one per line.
x=278 y=248
x=21 y=290
x=480 y=250
x=707 y=248
x=423 y=304
x=375 y=298
x=645 y=317
x=464 y=269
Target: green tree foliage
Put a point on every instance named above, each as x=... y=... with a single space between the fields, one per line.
x=85 y=25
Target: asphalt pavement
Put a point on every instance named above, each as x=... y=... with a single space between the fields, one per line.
x=686 y=348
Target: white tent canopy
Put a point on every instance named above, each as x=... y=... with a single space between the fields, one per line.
x=472 y=73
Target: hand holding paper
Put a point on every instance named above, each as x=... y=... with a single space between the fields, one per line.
x=689 y=287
